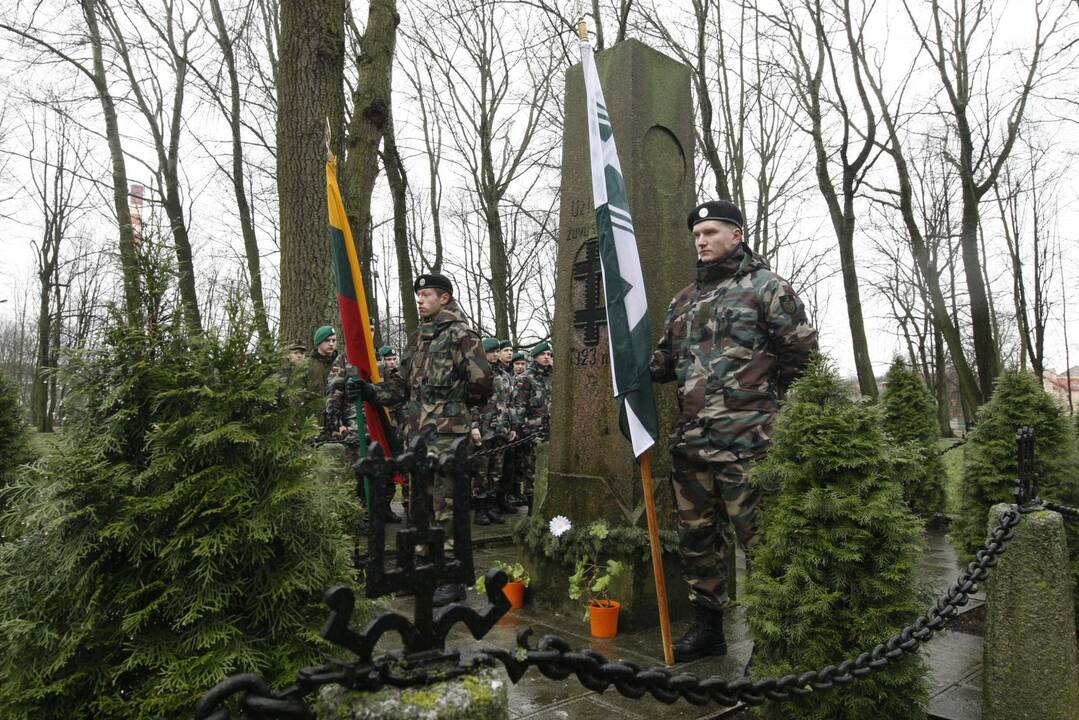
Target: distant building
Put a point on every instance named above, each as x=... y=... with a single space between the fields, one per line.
x=1056 y=384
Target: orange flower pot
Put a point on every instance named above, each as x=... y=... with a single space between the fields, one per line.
x=603 y=617
x=515 y=591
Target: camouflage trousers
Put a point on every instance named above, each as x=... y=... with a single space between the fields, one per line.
x=711 y=500
x=486 y=469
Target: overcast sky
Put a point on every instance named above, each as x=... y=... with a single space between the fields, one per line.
x=217 y=241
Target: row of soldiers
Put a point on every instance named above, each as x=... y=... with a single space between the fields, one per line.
x=504 y=429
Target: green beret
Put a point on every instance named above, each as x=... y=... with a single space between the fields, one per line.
x=490 y=344
x=322 y=333
x=502 y=345
x=539 y=347
x=386 y=351
x=519 y=356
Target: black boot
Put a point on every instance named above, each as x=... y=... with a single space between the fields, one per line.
x=492 y=510
x=480 y=511
x=446 y=594
x=504 y=506
x=704 y=638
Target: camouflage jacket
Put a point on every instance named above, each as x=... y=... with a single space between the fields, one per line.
x=339 y=412
x=531 y=398
x=318 y=372
x=734 y=340
x=494 y=418
x=442 y=375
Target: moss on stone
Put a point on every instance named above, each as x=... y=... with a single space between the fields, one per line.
x=481 y=696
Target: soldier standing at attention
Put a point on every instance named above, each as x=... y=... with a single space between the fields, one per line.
x=490 y=430
x=505 y=357
x=443 y=375
x=734 y=340
x=320 y=361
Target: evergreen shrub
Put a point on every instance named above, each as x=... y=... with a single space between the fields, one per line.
x=14 y=445
x=178 y=536
x=833 y=575
x=991 y=463
x=909 y=413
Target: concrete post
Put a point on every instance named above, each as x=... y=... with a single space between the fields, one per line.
x=1031 y=670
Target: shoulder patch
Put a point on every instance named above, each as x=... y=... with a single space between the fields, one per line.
x=787 y=303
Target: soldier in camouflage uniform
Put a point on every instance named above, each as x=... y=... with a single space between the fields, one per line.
x=340 y=426
x=531 y=407
x=490 y=430
x=733 y=340
x=443 y=375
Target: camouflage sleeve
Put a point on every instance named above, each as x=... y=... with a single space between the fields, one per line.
x=790 y=336
x=477 y=373
x=394 y=390
x=662 y=365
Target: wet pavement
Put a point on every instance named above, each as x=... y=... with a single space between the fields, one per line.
x=953 y=659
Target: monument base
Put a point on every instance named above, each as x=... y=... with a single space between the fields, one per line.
x=635 y=590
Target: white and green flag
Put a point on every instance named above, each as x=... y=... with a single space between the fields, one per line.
x=628 y=330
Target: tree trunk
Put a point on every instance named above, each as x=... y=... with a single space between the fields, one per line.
x=499 y=290
x=39 y=392
x=395 y=174
x=944 y=410
x=867 y=381
x=243 y=207
x=129 y=264
x=309 y=92
x=986 y=358
x=371 y=114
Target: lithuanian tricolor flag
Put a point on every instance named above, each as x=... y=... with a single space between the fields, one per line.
x=355 y=320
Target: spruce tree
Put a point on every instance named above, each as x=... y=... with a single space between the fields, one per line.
x=14 y=445
x=177 y=537
x=833 y=576
x=909 y=413
x=992 y=465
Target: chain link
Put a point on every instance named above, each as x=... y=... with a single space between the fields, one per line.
x=1069 y=513
x=957 y=444
x=556 y=660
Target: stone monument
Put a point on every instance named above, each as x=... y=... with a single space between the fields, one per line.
x=592 y=473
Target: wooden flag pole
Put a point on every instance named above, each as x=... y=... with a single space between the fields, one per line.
x=657 y=557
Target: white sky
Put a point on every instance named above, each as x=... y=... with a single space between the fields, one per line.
x=217 y=242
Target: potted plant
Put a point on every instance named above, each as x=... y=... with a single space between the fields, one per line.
x=514 y=590
x=591 y=583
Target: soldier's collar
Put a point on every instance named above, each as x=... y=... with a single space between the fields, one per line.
x=725 y=268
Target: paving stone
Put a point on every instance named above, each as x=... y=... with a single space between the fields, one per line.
x=951 y=657
x=586 y=708
x=959 y=702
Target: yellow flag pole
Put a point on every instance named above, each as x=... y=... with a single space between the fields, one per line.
x=657 y=557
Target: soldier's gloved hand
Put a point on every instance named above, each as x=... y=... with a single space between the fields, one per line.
x=360 y=388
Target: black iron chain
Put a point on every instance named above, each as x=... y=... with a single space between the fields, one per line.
x=1069 y=513
x=556 y=660
x=957 y=444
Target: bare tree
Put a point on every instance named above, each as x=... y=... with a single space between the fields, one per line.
x=230 y=107
x=94 y=70
x=480 y=55
x=55 y=156
x=815 y=78
x=170 y=47
x=958 y=40
x=1027 y=207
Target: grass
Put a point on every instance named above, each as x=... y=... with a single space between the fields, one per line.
x=953 y=467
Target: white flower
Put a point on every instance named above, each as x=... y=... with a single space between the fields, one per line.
x=559 y=525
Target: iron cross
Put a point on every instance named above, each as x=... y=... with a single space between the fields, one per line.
x=594 y=313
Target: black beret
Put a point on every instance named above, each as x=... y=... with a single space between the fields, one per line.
x=433 y=280
x=723 y=210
